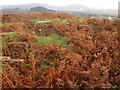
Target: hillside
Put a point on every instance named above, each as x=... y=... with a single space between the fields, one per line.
x=26 y=11
x=75 y=9
x=40 y=9
x=51 y=50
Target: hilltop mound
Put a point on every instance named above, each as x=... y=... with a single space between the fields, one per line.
x=48 y=50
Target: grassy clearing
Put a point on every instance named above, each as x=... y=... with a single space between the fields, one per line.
x=48 y=63
x=5 y=24
x=52 y=39
x=61 y=21
x=43 y=22
x=9 y=34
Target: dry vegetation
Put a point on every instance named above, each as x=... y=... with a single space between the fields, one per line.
x=65 y=52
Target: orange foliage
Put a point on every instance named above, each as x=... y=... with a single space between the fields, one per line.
x=89 y=61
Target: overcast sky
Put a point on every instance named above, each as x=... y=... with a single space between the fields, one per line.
x=106 y=4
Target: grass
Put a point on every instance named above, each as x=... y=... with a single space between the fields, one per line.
x=26 y=75
x=43 y=22
x=9 y=34
x=27 y=65
x=64 y=21
x=81 y=19
x=52 y=39
x=61 y=21
x=75 y=85
x=14 y=35
x=5 y=24
x=60 y=87
x=95 y=27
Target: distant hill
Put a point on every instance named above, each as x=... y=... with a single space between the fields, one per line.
x=75 y=9
x=26 y=11
x=40 y=9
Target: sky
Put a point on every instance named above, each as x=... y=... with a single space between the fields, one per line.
x=105 y=4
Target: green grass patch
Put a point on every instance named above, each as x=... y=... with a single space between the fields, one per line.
x=14 y=35
x=27 y=65
x=60 y=87
x=7 y=33
x=52 y=39
x=43 y=22
x=5 y=24
x=61 y=21
x=75 y=85
x=64 y=21
x=10 y=35
x=26 y=75
x=81 y=19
